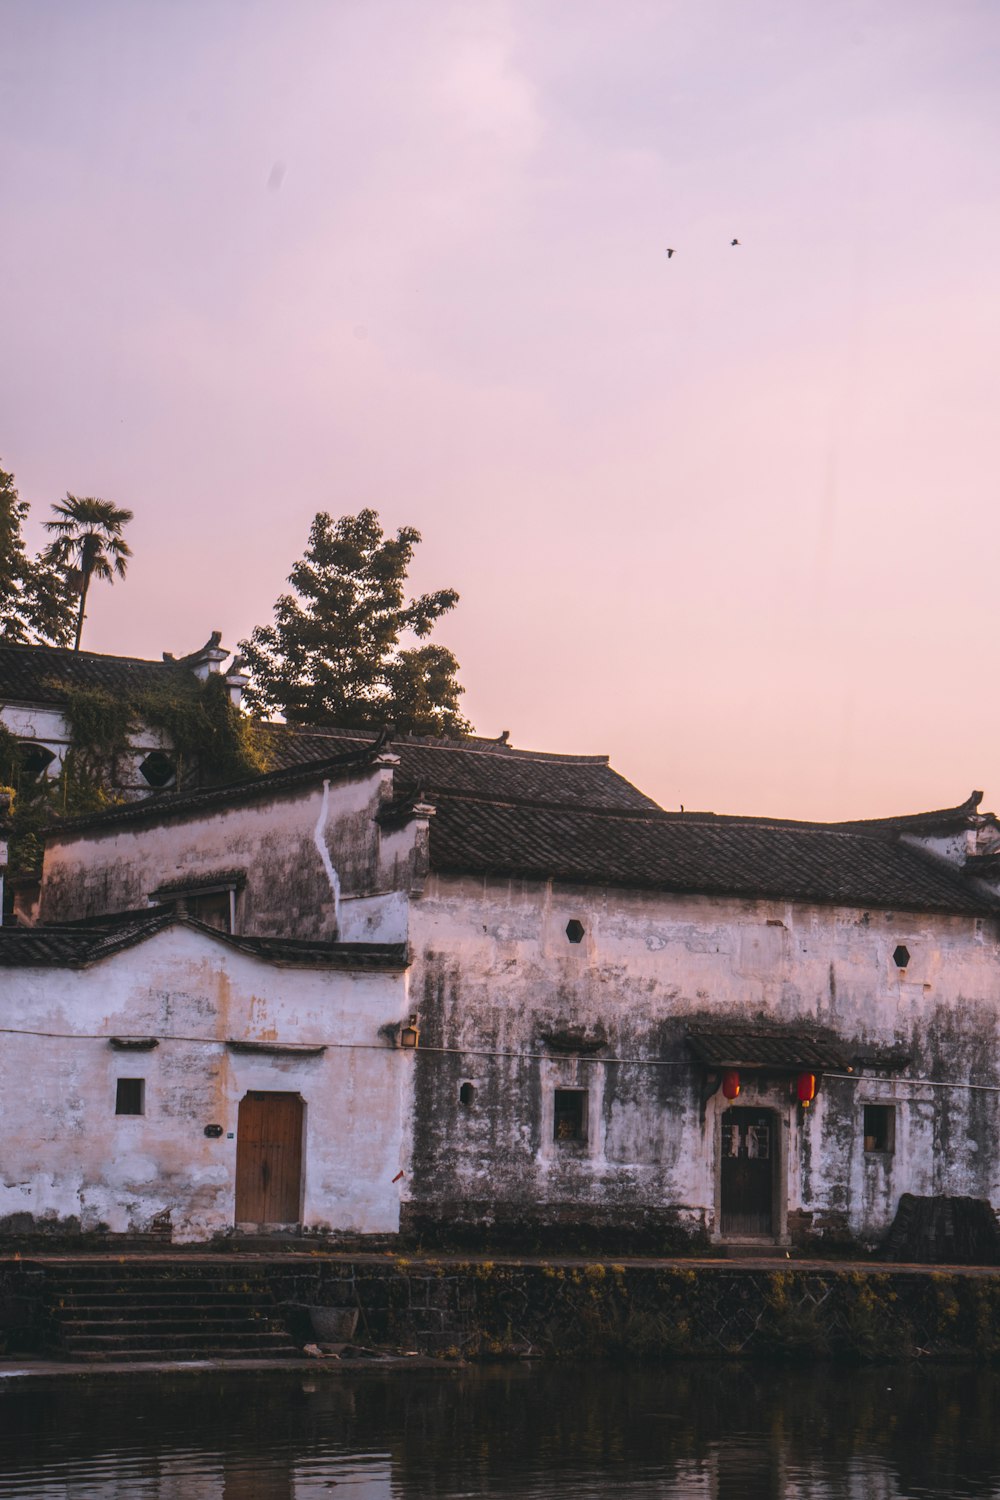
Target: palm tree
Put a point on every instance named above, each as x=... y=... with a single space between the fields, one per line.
x=89 y=542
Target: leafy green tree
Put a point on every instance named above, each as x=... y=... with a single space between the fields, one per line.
x=35 y=605
x=333 y=656
x=88 y=544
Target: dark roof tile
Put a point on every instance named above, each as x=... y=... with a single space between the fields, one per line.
x=477 y=766
x=75 y=946
x=309 y=954
x=786 y=1047
x=44 y=674
x=673 y=853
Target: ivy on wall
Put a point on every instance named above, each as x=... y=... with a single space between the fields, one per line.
x=211 y=742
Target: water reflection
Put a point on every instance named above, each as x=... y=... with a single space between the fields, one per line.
x=722 y=1432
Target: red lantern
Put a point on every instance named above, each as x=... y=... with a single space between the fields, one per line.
x=731 y=1084
x=806 y=1089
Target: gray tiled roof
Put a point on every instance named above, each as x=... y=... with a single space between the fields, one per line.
x=78 y=945
x=43 y=674
x=306 y=953
x=785 y=1047
x=477 y=766
x=529 y=814
x=694 y=853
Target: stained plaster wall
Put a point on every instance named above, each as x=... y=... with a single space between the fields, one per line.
x=275 y=841
x=69 y=1162
x=493 y=971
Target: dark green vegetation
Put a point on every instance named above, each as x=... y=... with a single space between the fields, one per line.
x=213 y=743
x=88 y=543
x=565 y=1309
x=36 y=602
x=601 y=1310
x=333 y=654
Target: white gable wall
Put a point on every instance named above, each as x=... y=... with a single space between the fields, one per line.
x=290 y=890
x=68 y=1159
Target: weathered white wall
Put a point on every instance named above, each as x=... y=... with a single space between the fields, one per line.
x=68 y=1157
x=493 y=969
x=288 y=892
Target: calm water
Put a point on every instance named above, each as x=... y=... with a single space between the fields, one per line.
x=713 y=1431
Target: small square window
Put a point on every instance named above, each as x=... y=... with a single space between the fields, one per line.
x=214 y=908
x=570 y=1115
x=130 y=1098
x=880 y=1127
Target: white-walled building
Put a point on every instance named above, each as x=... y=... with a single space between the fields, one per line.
x=37 y=681
x=591 y=979
x=156 y=1074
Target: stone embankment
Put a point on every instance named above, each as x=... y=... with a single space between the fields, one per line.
x=216 y=1306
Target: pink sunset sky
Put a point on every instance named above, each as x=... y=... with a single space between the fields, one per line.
x=728 y=517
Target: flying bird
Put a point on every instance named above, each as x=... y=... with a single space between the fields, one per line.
x=669 y=254
x=734 y=242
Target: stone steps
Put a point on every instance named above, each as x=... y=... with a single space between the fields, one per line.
x=109 y=1300
x=134 y=1311
x=153 y=1343
x=192 y=1323
x=157 y=1355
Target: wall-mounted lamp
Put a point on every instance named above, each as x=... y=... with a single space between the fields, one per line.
x=409 y=1035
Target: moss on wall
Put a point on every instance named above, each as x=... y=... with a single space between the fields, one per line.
x=633 y=1310
x=212 y=742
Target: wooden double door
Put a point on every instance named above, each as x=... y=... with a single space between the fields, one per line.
x=749 y=1172
x=269 y=1159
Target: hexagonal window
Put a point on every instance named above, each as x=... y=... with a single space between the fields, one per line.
x=901 y=957
x=157 y=770
x=574 y=930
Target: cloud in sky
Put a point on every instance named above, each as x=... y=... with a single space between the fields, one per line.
x=727 y=517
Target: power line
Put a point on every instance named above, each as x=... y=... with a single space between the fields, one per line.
x=647 y=1062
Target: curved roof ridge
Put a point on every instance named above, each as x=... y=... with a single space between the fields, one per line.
x=651 y=813
x=933 y=818
x=478 y=744
x=142 y=661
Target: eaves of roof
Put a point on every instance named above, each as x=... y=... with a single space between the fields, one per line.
x=78 y=947
x=163 y=808
x=675 y=853
x=309 y=954
x=938 y=820
x=785 y=1048
x=75 y=946
x=476 y=767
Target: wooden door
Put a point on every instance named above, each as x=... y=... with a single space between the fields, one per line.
x=269 y=1159
x=748 y=1165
